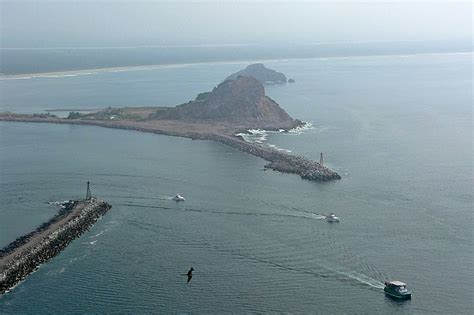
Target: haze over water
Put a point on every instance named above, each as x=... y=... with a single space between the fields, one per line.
x=397 y=128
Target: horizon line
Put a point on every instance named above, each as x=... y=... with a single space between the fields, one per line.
x=313 y=43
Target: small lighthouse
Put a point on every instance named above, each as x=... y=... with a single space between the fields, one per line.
x=321 y=160
x=88 y=192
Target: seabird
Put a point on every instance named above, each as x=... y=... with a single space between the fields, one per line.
x=190 y=274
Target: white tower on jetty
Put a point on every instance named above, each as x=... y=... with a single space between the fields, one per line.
x=321 y=160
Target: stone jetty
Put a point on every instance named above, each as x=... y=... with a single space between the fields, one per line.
x=26 y=253
x=280 y=161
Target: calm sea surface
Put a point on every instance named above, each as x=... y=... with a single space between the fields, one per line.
x=397 y=128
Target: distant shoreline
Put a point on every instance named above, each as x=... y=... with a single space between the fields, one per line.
x=279 y=161
x=92 y=71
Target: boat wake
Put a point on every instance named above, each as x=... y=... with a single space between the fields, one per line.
x=294 y=214
x=332 y=259
x=358 y=277
x=362 y=278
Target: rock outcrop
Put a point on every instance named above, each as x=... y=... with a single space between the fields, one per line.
x=239 y=102
x=261 y=73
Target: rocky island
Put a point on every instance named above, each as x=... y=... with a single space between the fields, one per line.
x=261 y=73
x=240 y=102
x=234 y=106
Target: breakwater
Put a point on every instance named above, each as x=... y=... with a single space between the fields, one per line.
x=26 y=253
x=279 y=161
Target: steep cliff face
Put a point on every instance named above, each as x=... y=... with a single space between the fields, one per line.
x=241 y=102
x=261 y=73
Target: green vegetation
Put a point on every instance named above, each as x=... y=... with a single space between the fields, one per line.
x=106 y=114
x=47 y=115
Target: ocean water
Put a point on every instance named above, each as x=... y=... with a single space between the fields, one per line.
x=397 y=128
x=21 y=60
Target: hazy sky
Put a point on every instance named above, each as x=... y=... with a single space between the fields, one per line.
x=128 y=23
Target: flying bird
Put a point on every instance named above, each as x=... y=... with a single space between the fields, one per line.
x=190 y=274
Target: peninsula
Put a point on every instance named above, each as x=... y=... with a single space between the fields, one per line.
x=26 y=253
x=233 y=107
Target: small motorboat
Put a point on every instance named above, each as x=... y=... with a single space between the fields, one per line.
x=397 y=289
x=332 y=218
x=178 y=197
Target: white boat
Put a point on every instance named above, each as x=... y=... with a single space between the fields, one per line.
x=332 y=218
x=397 y=289
x=178 y=197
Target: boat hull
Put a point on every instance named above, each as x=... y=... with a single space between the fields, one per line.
x=397 y=295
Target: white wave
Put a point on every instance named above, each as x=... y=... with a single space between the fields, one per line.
x=277 y=148
x=285 y=150
x=52 y=75
x=260 y=136
x=15 y=78
x=98 y=234
x=300 y=129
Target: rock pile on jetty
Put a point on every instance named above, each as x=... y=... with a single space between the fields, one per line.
x=280 y=161
x=25 y=254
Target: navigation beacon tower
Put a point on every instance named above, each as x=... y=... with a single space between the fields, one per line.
x=321 y=160
x=88 y=193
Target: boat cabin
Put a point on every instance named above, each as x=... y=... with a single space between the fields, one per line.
x=397 y=285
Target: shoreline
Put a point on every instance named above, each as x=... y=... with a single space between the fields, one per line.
x=25 y=254
x=279 y=161
x=92 y=71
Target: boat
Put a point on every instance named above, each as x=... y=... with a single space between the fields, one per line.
x=178 y=197
x=332 y=218
x=397 y=289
